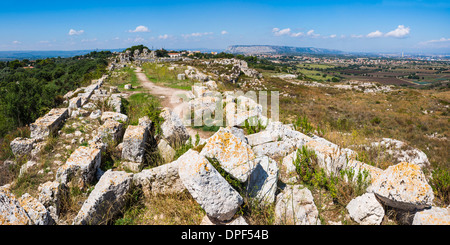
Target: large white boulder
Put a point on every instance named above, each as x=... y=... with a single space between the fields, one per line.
x=214 y=194
x=234 y=156
x=35 y=210
x=403 y=186
x=295 y=206
x=173 y=128
x=11 y=212
x=432 y=216
x=163 y=179
x=135 y=143
x=106 y=200
x=81 y=166
x=262 y=183
x=22 y=146
x=366 y=210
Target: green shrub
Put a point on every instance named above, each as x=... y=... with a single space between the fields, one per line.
x=440 y=182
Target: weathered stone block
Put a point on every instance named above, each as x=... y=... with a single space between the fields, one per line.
x=295 y=206
x=163 y=179
x=11 y=212
x=234 y=156
x=81 y=165
x=214 y=194
x=135 y=143
x=366 y=210
x=22 y=146
x=403 y=186
x=106 y=200
x=48 y=124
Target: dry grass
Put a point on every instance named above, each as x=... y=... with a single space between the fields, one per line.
x=168 y=209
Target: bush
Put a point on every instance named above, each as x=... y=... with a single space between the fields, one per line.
x=440 y=182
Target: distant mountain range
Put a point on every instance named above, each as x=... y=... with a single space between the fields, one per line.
x=270 y=49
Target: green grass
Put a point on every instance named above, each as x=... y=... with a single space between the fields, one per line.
x=161 y=75
x=125 y=76
x=143 y=104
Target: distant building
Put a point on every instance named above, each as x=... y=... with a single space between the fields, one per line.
x=174 y=55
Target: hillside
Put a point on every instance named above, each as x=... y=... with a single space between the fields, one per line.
x=126 y=149
x=270 y=49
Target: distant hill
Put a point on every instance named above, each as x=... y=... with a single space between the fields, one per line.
x=270 y=49
x=32 y=55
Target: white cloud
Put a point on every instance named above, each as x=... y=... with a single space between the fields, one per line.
x=278 y=32
x=333 y=35
x=438 y=43
x=223 y=32
x=298 y=34
x=135 y=40
x=196 y=34
x=163 y=37
x=140 y=29
x=44 y=41
x=400 y=32
x=16 y=42
x=75 y=32
x=88 y=40
x=356 y=36
x=311 y=33
x=286 y=31
x=375 y=34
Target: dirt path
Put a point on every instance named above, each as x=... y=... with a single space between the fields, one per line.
x=170 y=98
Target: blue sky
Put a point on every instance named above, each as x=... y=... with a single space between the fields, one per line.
x=364 y=26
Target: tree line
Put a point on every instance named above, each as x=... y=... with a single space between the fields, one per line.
x=29 y=89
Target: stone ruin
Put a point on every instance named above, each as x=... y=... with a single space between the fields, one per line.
x=262 y=161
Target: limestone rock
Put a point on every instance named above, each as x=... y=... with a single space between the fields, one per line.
x=48 y=124
x=82 y=164
x=51 y=194
x=11 y=212
x=276 y=149
x=166 y=151
x=173 y=128
x=35 y=210
x=163 y=179
x=262 y=184
x=295 y=206
x=22 y=146
x=234 y=156
x=25 y=167
x=135 y=143
x=95 y=114
x=432 y=216
x=289 y=169
x=403 y=186
x=106 y=200
x=211 y=221
x=114 y=115
x=332 y=159
x=214 y=194
x=366 y=210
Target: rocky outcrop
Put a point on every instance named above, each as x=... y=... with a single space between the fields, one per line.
x=366 y=210
x=432 y=216
x=403 y=186
x=134 y=143
x=173 y=129
x=106 y=200
x=80 y=167
x=48 y=124
x=295 y=206
x=11 y=212
x=214 y=194
x=233 y=155
x=163 y=179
